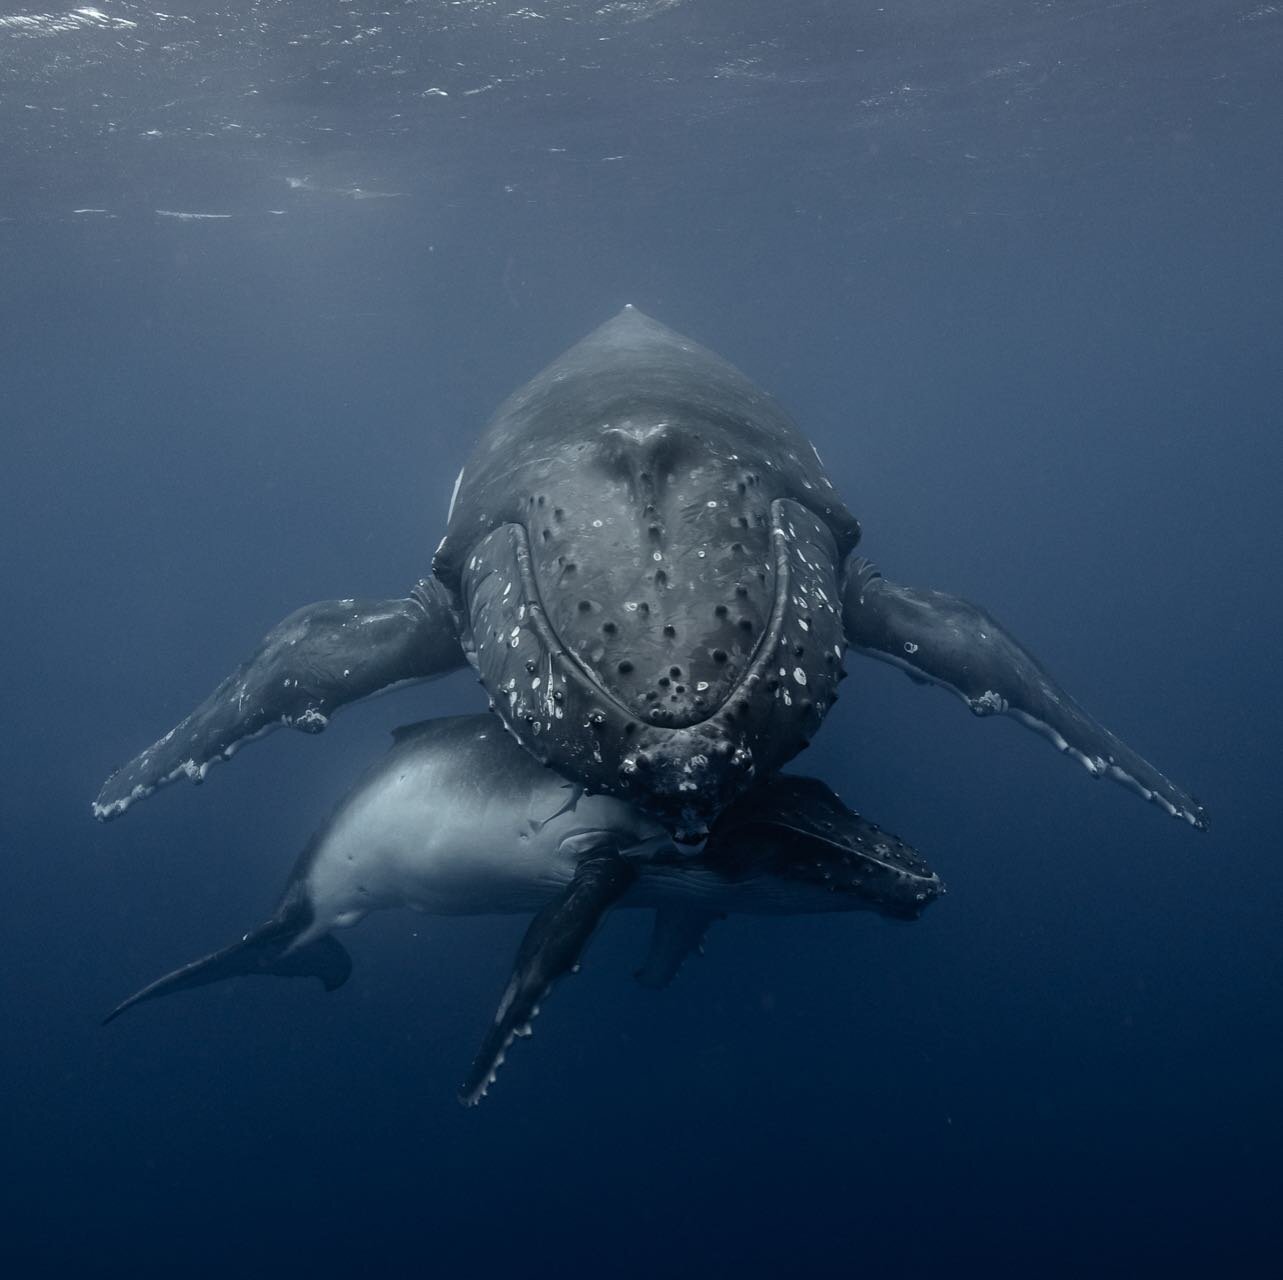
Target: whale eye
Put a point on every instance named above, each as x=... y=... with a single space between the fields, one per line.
x=624 y=667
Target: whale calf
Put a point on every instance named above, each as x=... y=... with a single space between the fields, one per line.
x=457 y=819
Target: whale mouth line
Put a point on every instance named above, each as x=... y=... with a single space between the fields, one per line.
x=570 y=720
x=542 y=626
x=552 y=643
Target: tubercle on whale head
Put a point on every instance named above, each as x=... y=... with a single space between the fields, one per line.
x=687 y=776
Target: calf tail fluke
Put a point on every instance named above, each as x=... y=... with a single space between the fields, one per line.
x=266 y=949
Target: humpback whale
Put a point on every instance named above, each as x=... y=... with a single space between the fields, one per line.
x=657 y=584
x=456 y=819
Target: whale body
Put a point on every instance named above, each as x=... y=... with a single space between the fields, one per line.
x=456 y=819
x=656 y=583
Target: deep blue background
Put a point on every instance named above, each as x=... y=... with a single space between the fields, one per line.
x=1015 y=267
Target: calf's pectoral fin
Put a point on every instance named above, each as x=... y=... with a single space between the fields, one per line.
x=551 y=947
x=316 y=661
x=678 y=931
x=951 y=642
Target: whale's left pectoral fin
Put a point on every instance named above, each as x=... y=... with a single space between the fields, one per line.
x=552 y=947
x=950 y=642
x=316 y=661
x=678 y=932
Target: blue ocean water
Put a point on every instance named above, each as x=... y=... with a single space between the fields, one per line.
x=1015 y=266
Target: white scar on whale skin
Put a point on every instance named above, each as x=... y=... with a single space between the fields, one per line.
x=454 y=497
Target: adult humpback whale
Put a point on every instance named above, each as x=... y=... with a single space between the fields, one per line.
x=457 y=820
x=656 y=582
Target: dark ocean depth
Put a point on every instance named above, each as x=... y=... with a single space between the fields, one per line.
x=1015 y=267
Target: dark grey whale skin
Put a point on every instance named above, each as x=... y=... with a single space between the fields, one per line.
x=656 y=583
x=646 y=553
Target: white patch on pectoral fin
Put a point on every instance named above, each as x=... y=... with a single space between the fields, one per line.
x=307 y=667
x=950 y=642
x=552 y=947
x=454 y=497
x=1124 y=766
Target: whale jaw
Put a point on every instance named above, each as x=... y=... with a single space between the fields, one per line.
x=559 y=709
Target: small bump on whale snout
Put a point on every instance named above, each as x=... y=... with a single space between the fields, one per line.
x=686 y=776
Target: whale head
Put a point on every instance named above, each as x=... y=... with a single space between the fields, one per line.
x=646 y=563
x=789 y=846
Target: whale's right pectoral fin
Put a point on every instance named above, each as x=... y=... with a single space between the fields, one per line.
x=678 y=932
x=316 y=661
x=552 y=947
x=942 y=639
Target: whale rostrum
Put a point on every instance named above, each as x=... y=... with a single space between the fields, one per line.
x=657 y=584
x=456 y=819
